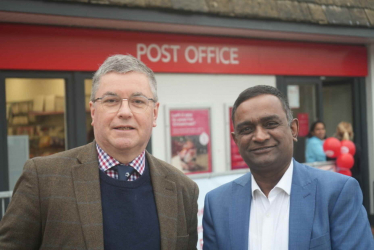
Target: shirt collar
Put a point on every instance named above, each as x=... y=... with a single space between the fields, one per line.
x=284 y=183
x=106 y=161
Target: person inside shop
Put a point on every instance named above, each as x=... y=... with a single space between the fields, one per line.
x=344 y=131
x=110 y=193
x=281 y=204
x=314 y=144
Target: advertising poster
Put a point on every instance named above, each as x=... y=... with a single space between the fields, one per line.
x=293 y=94
x=303 y=124
x=191 y=140
x=237 y=161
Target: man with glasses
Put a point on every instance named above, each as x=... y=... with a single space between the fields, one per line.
x=111 y=193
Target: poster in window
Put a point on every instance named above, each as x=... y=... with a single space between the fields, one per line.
x=303 y=124
x=190 y=140
x=237 y=161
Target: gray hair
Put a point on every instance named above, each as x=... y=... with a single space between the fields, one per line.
x=262 y=90
x=123 y=64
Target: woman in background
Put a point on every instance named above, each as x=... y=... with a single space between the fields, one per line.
x=344 y=131
x=314 y=144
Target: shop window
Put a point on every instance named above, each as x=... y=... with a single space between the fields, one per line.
x=35 y=120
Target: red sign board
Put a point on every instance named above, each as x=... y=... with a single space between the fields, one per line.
x=237 y=161
x=27 y=47
x=190 y=140
x=303 y=124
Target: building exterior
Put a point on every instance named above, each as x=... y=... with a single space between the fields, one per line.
x=204 y=53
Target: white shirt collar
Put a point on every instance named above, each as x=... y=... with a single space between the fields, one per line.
x=284 y=183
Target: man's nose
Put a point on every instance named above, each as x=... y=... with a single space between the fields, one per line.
x=124 y=109
x=260 y=134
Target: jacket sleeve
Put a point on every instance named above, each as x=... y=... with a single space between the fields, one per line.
x=349 y=221
x=192 y=231
x=209 y=236
x=21 y=226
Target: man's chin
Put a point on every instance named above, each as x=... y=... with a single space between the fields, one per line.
x=262 y=164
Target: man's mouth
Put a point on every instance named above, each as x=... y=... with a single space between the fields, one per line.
x=124 y=128
x=261 y=149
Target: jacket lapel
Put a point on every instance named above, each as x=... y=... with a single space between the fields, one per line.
x=165 y=193
x=241 y=197
x=302 y=205
x=88 y=196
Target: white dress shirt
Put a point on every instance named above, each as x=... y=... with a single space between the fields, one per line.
x=269 y=218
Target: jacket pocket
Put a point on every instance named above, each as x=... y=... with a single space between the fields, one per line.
x=321 y=242
x=182 y=242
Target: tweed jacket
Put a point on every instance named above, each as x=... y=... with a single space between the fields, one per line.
x=56 y=204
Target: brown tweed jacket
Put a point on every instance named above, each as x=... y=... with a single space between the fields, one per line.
x=56 y=204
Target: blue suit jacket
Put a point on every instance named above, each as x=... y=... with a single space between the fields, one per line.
x=326 y=212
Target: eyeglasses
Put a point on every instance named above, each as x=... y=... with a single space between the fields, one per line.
x=113 y=103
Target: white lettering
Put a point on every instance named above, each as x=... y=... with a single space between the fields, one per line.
x=175 y=53
x=141 y=49
x=217 y=55
x=165 y=53
x=149 y=53
x=210 y=53
x=221 y=55
x=233 y=55
x=202 y=53
x=187 y=56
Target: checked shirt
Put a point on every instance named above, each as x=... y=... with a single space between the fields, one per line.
x=106 y=163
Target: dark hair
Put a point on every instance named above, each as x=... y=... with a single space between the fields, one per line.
x=262 y=90
x=313 y=126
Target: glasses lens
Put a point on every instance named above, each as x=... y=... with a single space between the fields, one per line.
x=138 y=103
x=111 y=103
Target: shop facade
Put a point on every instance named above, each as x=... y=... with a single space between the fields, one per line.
x=45 y=86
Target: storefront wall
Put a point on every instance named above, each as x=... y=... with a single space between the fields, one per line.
x=192 y=71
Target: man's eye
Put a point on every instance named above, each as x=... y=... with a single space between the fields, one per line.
x=138 y=101
x=245 y=130
x=271 y=124
x=110 y=100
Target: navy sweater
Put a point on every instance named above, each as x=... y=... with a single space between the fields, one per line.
x=130 y=218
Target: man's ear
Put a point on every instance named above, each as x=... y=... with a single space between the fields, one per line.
x=155 y=114
x=295 y=128
x=233 y=135
x=92 y=109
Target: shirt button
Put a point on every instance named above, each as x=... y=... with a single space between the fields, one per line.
x=267 y=215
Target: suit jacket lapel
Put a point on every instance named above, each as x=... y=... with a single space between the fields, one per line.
x=165 y=193
x=88 y=196
x=239 y=212
x=302 y=205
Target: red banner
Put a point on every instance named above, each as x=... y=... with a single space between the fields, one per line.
x=191 y=140
x=303 y=124
x=27 y=47
x=237 y=161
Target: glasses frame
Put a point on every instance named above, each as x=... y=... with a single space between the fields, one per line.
x=127 y=99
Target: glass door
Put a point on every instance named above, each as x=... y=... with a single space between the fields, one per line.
x=36 y=122
x=40 y=115
x=305 y=98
